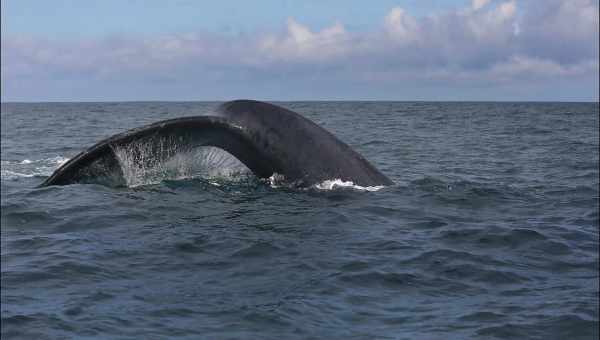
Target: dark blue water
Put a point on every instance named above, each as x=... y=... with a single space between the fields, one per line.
x=491 y=231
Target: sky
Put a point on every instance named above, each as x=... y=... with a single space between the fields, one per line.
x=123 y=50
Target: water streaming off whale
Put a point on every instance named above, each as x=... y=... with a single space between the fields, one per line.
x=150 y=162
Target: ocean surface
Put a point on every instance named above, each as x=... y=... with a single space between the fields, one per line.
x=490 y=232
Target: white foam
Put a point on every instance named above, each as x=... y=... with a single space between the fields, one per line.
x=333 y=184
x=58 y=160
x=276 y=180
x=12 y=175
x=13 y=170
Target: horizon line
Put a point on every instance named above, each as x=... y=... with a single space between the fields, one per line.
x=295 y=100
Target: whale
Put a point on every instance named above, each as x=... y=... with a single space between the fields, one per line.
x=268 y=139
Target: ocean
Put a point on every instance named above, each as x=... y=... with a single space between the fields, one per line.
x=490 y=231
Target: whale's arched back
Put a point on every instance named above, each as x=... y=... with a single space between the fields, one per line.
x=266 y=138
x=308 y=153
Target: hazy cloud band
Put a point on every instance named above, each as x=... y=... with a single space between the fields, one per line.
x=487 y=44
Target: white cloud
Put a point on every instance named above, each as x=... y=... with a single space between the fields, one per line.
x=479 y=4
x=519 y=66
x=493 y=23
x=400 y=25
x=299 y=43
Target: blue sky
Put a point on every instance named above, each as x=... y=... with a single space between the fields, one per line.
x=299 y=50
x=75 y=19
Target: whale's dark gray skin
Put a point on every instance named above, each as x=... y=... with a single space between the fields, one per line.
x=268 y=139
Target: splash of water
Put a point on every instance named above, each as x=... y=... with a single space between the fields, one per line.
x=144 y=163
x=14 y=170
x=339 y=184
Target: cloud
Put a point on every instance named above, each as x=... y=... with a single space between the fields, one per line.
x=491 y=42
x=530 y=67
x=301 y=44
x=401 y=26
x=479 y=4
x=565 y=31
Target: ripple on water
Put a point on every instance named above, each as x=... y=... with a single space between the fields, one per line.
x=492 y=237
x=561 y=327
x=257 y=250
x=491 y=232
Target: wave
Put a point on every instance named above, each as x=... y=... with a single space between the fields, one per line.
x=469 y=192
x=333 y=184
x=57 y=160
x=277 y=180
x=12 y=175
x=26 y=168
